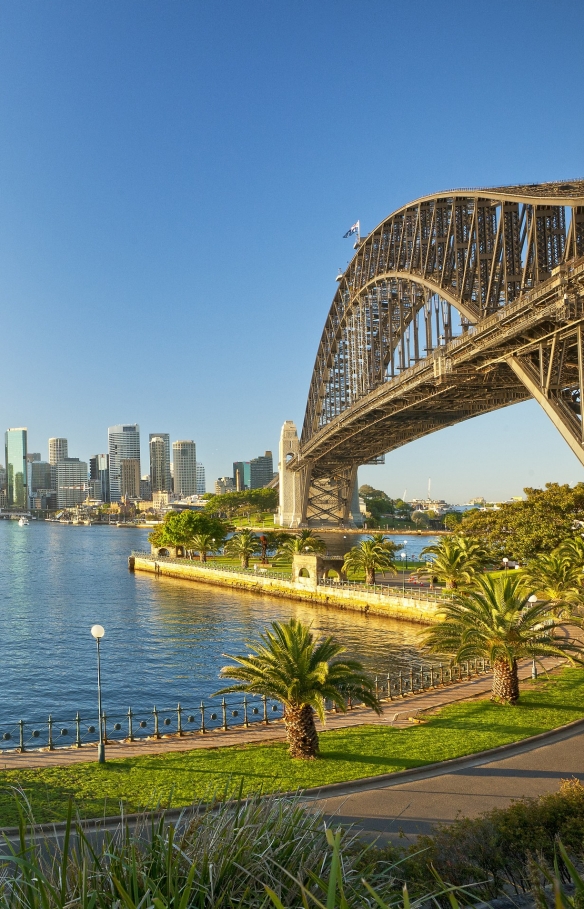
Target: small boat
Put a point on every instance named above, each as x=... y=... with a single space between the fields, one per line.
x=23 y=522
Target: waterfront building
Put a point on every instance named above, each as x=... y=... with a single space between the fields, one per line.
x=201 y=484
x=2 y=477
x=145 y=489
x=123 y=445
x=223 y=485
x=160 y=477
x=130 y=478
x=99 y=477
x=253 y=474
x=184 y=459
x=16 y=473
x=72 y=482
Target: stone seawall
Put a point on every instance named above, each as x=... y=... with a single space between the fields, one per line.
x=409 y=608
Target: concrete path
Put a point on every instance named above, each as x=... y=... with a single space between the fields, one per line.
x=399 y=712
x=420 y=799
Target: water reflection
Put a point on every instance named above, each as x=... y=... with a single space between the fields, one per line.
x=165 y=638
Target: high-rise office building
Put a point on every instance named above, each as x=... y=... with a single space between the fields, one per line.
x=201 y=484
x=58 y=450
x=123 y=445
x=72 y=482
x=2 y=477
x=255 y=473
x=223 y=485
x=40 y=476
x=160 y=478
x=16 y=475
x=130 y=478
x=184 y=457
x=145 y=489
x=99 y=477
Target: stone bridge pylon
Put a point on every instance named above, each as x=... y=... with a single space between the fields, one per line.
x=457 y=304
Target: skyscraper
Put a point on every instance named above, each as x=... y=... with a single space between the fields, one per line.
x=58 y=450
x=72 y=482
x=160 y=478
x=261 y=470
x=99 y=476
x=130 y=478
x=16 y=485
x=123 y=444
x=184 y=456
x=201 y=484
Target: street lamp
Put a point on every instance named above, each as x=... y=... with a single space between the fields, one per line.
x=98 y=632
x=403 y=556
x=533 y=600
x=505 y=561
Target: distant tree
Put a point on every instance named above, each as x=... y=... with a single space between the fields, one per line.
x=287 y=663
x=452 y=520
x=305 y=541
x=420 y=518
x=522 y=530
x=369 y=556
x=254 y=499
x=181 y=527
x=204 y=543
x=456 y=560
x=242 y=544
x=496 y=621
x=377 y=503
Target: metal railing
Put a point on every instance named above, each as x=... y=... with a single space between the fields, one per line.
x=260 y=572
x=219 y=715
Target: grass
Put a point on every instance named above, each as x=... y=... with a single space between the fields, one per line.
x=179 y=778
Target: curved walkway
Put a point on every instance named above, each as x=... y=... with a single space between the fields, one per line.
x=419 y=799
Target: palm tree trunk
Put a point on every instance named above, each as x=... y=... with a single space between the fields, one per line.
x=370 y=575
x=301 y=732
x=245 y=561
x=505 y=682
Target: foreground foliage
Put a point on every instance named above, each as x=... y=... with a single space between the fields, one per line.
x=178 y=778
x=288 y=664
x=496 y=620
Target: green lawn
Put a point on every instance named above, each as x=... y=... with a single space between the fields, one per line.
x=346 y=754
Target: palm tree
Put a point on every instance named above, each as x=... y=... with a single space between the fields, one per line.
x=203 y=543
x=496 y=621
x=289 y=665
x=242 y=544
x=457 y=559
x=573 y=550
x=555 y=577
x=305 y=541
x=369 y=556
x=384 y=541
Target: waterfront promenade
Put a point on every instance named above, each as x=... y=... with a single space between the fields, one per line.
x=399 y=713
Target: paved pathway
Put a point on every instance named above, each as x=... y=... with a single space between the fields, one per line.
x=395 y=713
x=413 y=806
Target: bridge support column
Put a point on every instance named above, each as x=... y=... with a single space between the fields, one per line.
x=333 y=497
x=291 y=509
x=543 y=380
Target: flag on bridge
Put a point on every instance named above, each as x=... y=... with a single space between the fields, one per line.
x=355 y=229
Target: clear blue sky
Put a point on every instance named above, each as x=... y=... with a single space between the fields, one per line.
x=175 y=180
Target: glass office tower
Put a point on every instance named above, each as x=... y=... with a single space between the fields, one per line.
x=16 y=486
x=123 y=443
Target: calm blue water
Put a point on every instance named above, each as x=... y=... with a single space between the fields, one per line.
x=164 y=638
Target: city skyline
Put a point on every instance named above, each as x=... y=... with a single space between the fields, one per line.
x=131 y=165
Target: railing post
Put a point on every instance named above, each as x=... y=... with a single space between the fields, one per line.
x=156 y=727
x=432 y=685
x=21 y=736
x=130 y=725
x=203 y=730
x=50 y=743
x=265 y=700
x=376 y=689
x=179 y=719
x=77 y=730
x=224 y=711
x=412 y=680
x=441 y=674
x=401 y=685
x=389 y=694
x=245 y=719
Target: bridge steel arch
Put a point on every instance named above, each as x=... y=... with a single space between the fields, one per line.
x=455 y=305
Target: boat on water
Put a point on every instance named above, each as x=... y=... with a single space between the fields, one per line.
x=23 y=522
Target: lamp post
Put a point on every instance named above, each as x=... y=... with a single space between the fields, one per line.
x=403 y=556
x=505 y=562
x=98 y=632
x=532 y=600
x=405 y=553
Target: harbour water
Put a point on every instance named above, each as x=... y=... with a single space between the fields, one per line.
x=165 y=639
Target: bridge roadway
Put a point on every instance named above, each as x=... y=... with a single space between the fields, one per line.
x=469 y=376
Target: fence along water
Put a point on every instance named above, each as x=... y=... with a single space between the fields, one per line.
x=215 y=715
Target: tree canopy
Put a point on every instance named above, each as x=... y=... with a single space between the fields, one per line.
x=181 y=527
x=521 y=530
x=230 y=502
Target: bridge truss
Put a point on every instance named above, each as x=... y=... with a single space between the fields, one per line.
x=456 y=305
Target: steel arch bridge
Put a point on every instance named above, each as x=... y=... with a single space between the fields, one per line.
x=455 y=305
